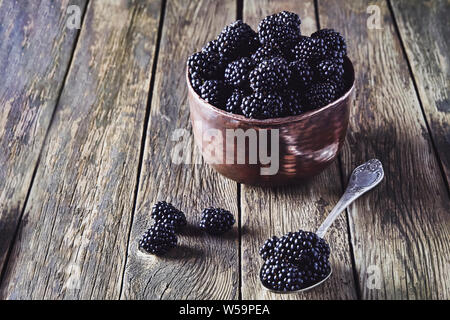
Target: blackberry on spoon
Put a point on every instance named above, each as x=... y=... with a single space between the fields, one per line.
x=299 y=261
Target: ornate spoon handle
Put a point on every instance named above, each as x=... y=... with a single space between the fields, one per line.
x=363 y=178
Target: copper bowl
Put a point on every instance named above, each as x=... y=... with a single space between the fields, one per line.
x=307 y=143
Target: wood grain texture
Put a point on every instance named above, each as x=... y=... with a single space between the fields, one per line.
x=35 y=51
x=400 y=230
x=268 y=212
x=202 y=267
x=72 y=240
x=424 y=28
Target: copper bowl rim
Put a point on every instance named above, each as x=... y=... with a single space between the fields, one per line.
x=288 y=119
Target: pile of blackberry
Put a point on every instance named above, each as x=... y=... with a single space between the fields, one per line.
x=275 y=72
x=161 y=237
x=295 y=261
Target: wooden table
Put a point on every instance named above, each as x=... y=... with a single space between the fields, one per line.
x=86 y=124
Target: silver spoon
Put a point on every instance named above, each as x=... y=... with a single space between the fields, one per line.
x=364 y=178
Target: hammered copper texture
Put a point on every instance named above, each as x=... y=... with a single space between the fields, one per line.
x=308 y=143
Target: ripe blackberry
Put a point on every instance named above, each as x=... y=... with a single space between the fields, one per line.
x=292 y=102
x=158 y=240
x=211 y=47
x=334 y=41
x=196 y=83
x=234 y=102
x=302 y=74
x=280 y=275
x=214 y=92
x=319 y=95
x=302 y=248
x=267 y=250
x=237 y=72
x=264 y=53
x=166 y=214
x=236 y=40
x=216 y=221
x=340 y=85
x=304 y=254
x=204 y=65
x=309 y=50
x=279 y=30
x=270 y=75
x=329 y=69
x=262 y=106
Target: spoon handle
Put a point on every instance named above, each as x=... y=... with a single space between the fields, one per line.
x=363 y=178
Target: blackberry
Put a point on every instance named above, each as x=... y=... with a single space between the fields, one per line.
x=330 y=69
x=167 y=215
x=211 y=47
x=279 y=30
x=262 y=106
x=270 y=75
x=158 y=240
x=319 y=95
x=309 y=50
x=214 y=92
x=216 y=221
x=196 y=83
x=292 y=102
x=237 y=72
x=264 y=53
x=340 y=85
x=302 y=248
x=204 y=65
x=234 y=102
x=334 y=41
x=236 y=40
x=280 y=275
x=268 y=248
x=295 y=261
x=302 y=74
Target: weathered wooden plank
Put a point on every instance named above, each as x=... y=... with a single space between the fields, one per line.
x=400 y=230
x=72 y=242
x=424 y=28
x=35 y=51
x=202 y=267
x=268 y=212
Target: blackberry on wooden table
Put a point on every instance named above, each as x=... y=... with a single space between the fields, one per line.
x=166 y=214
x=216 y=221
x=158 y=240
